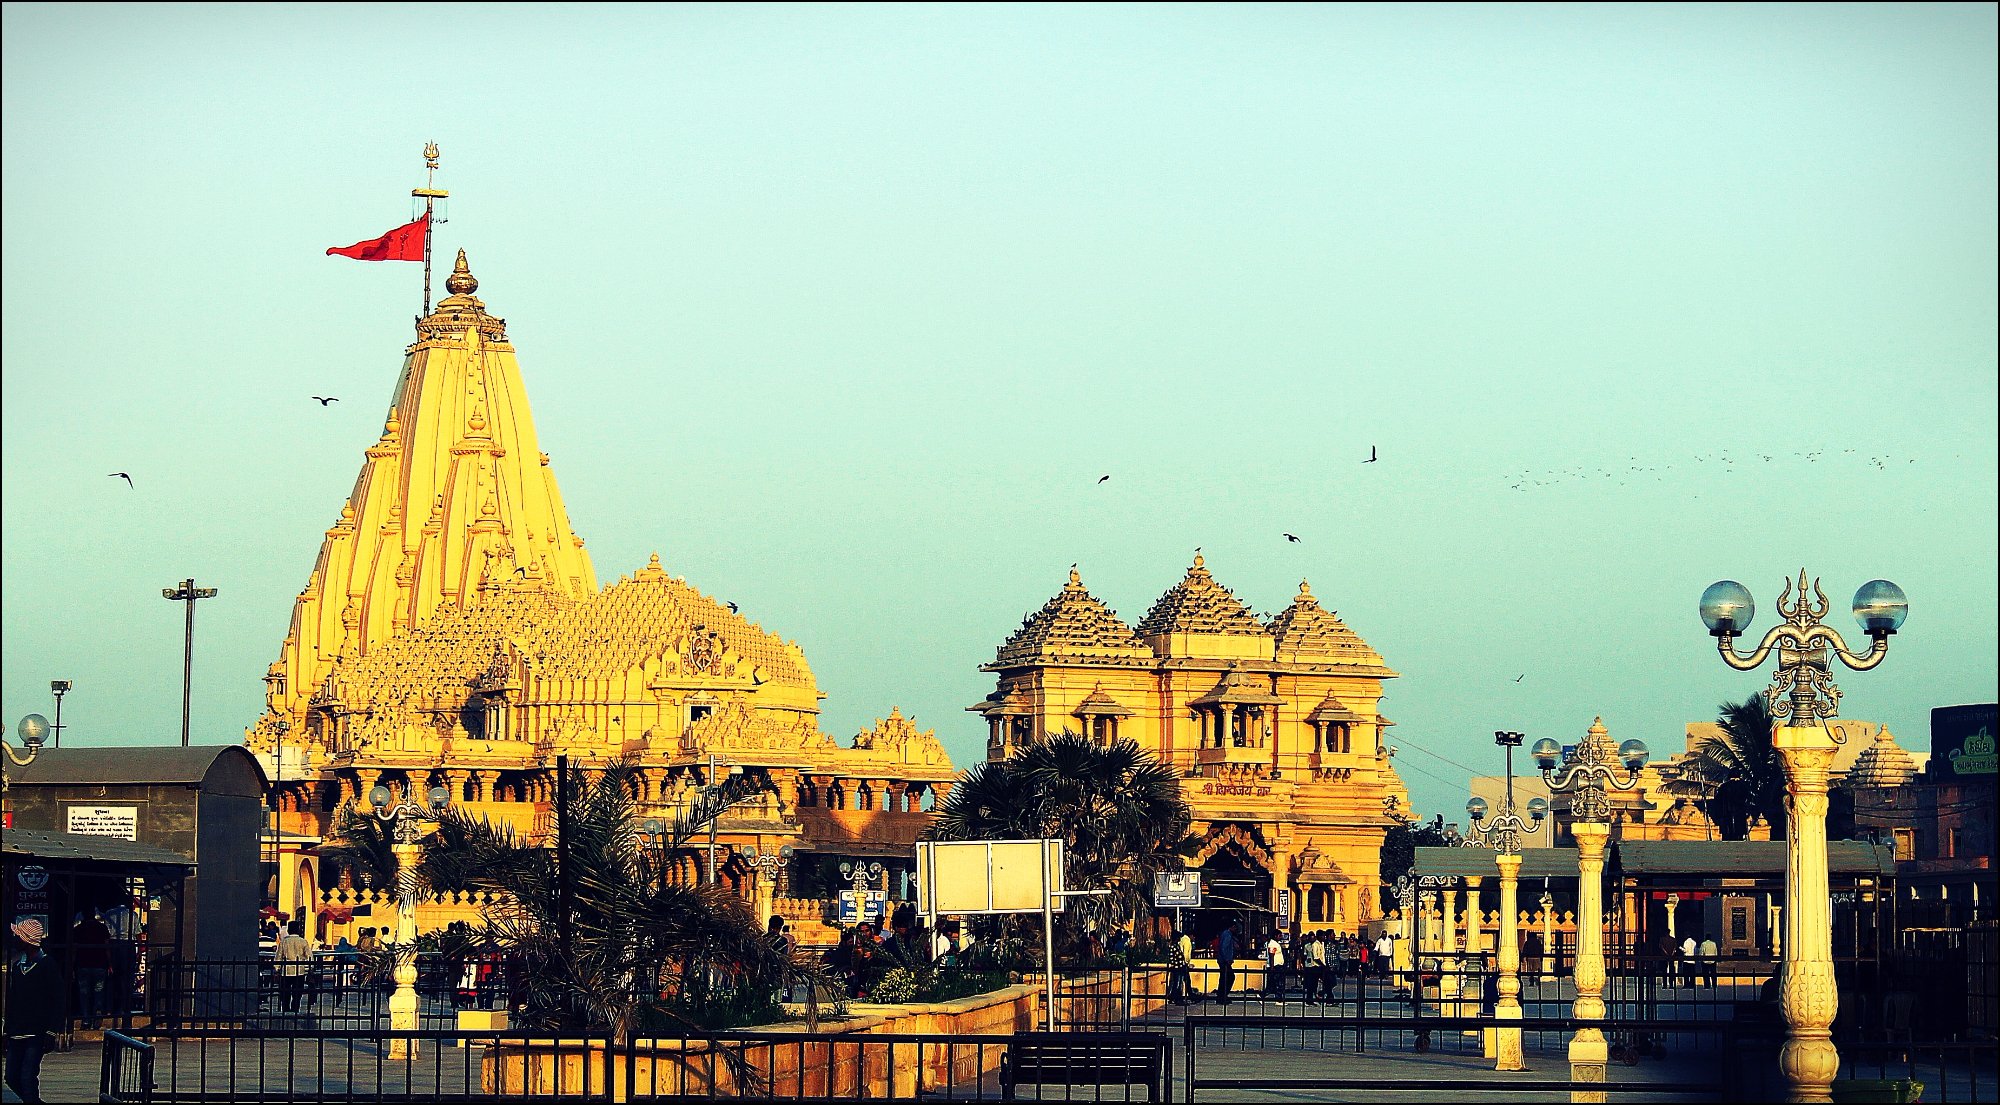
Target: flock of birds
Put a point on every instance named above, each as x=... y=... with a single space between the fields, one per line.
x=1636 y=471
x=1373 y=457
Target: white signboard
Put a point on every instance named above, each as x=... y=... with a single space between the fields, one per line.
x=1177 y=889
x=119 y=821
x=988 y=876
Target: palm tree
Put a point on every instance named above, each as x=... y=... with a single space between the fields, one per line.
x=1118 y=812
x=1735 y=774
x=604 y=956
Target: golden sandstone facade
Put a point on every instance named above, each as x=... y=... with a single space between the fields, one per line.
x=453 y=633
x=1275 y=726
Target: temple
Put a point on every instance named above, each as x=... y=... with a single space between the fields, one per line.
x=1276 y=727
x=452 y=633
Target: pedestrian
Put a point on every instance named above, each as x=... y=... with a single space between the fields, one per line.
x=1225 y=961
x=90 y=957
x=1312 y=968
x=1276 y=973
x=1688 y=951
x=1531 y=958
x=345 y=956
x=941 y=947
x=295 y=954
x=123 y=921
x=1180 y=953
x=1663 y=948
x=35 y=994
x=782 y=948
x=1385 y=951
x=1709 y=954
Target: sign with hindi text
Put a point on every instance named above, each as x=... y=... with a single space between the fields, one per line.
x=119 y=821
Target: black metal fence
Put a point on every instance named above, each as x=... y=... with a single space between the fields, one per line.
x=254 y=1065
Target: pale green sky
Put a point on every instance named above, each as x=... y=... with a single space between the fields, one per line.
x=845 y=310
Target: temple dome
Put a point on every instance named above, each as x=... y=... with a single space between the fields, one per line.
x=1884 y=763
x=1198 y=604
x=1074 y=622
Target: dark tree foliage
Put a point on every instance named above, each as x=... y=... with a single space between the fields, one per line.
x=1735 y=775
x=1117 y=810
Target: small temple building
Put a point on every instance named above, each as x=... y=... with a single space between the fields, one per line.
x=1275 y=726
x=452 y=633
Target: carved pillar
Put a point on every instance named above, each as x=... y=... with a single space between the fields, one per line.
x=1587 y=1050
x=1475 y=932
x=898 y=796
x=1806 y=990
x=1448 y=971
x=454 y=783
x=1509 y=1006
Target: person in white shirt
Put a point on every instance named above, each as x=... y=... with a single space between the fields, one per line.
x=1275 y=972
x=1385 y=950
x=1688 y=951
x=1709 y=953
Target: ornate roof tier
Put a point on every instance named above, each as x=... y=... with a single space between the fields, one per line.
x=1198 y=604
x=1330 y=709
x=1884 y=763
x=1074 y=623
x=1307 y=632
x=1099 y=704
x=1239 y=688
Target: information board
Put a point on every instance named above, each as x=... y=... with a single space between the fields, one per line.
x=119 y=821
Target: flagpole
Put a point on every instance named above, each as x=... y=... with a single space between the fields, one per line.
x=430 y=195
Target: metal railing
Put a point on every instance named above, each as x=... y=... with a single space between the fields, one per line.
x=125 y=1074
x=210 y=1064
x=1339 y=1035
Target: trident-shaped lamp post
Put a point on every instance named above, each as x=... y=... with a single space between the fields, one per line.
x=1801 y=697
x=1584 y=777
x=1503 y=833
x=404 y=817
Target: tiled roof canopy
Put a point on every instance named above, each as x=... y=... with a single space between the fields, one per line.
x=1198 y=604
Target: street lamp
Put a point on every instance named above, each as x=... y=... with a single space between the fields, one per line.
x=1503 y=832
x=34 y=729
x=1584 y=777
x=59 y=688
x=188 y=593
x=1802 y=695
x=863 y=876
x=1406 y=904
x=767 y=865
x=404 y=817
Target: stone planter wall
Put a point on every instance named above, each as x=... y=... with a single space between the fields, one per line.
x=815 y=1067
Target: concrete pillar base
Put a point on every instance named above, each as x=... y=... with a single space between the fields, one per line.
x=1588 y=1056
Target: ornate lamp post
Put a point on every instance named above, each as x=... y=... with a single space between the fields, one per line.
x=1406 y=905
x=767 y=865
x=1503 y=832
x=404 y=818
x=1801 y=697
x=1548 y=903
x=863 y=876
x=34 y=729
x=1584 y=777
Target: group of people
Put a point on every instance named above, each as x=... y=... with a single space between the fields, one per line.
x=865 y=953
x=1695 y=958
x=1318 y=962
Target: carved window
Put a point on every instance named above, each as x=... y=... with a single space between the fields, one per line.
x=699 y=713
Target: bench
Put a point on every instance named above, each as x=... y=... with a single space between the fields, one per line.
x=1073 y=1059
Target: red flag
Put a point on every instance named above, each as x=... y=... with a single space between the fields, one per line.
x=405 y=243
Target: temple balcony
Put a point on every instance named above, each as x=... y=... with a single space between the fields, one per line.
x=1233 y=754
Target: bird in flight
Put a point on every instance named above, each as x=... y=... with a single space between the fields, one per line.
x=126 y=477
x=325 y=399
x=1520 y=677
x=1101 y=479
x=1289 y=537
x=732 y=607
x=1371 y=455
